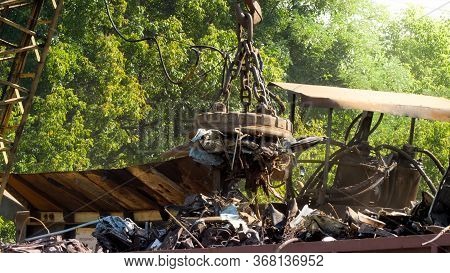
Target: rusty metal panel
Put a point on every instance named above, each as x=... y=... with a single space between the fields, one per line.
x=407 y=244
x=401 y=104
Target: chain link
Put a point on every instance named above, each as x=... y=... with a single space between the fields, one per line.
x=247 y=64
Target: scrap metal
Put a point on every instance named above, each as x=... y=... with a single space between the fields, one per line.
x=245 y=156
x=218 y=222
x=53 y=244
x=440 y=208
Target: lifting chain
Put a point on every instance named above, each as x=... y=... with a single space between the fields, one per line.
x=247 y=63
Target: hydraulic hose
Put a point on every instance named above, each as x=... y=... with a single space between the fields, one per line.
x=61 y=231
x=414 y=162
x=433 y=158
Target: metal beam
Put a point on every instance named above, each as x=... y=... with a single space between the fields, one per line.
x=17 y=26
x=14 y=74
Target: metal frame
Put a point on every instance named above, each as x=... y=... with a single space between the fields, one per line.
x=14 y=93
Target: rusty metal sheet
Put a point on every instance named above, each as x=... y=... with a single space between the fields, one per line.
x=407 y=244
x=401 y=104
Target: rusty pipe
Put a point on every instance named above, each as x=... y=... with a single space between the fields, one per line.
x=433 y=158
x=413 y=161
x=183 y=227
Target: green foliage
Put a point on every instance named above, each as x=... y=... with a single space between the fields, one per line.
x=106 y=103
x=422 y=44
x=7 y=231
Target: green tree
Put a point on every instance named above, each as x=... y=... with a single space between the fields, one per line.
x=7 y=231
x=104 y=102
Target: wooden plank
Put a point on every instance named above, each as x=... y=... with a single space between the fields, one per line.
x=88 y=192
x=13 y=85
x=75 y=217
x=20 y=221
x=135 y=185
x=147 y=216
x=27 y=75
x=191 y=176
x=9 y=3
x=128 y=199
x=7 y=59
x=44 y=21
x=19 y=104
x=84 y=217
x=8 y=43
x=159 y=183
x=34 y=197
x=84 y=203
x=36 y=51
x=17 y=26
x=19 y=5
x=11 y=101
x=51 y=217
x=71 y=200
x=18 y=50
x=119 y=214
x=18 y=197
x=101 y=194
x=4 y=150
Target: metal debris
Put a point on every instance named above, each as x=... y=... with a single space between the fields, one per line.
x=116 y=234
x=215 y=222
x=440 y=208
x=241 y=156
x=48 y=245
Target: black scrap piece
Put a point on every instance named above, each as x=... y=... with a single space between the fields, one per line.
x=115 y=234
x=440 y=209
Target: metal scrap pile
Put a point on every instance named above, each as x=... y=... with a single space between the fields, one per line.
x=48 y=245
x=257 y=160
x=314 y=225
x=242 y=156
x=211 y=222
x=201 y=222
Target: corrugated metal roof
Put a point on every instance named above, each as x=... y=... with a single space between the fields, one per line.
x=401 y=104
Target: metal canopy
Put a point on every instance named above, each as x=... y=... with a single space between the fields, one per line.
x=401 y=104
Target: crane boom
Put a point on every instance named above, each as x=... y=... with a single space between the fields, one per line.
x=18 y=40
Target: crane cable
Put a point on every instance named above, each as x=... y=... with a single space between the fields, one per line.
x=153 y=39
